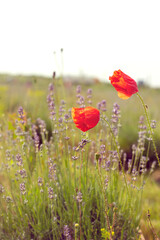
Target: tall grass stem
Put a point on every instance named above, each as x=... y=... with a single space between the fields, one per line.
x=149 y=125
x=114 y=139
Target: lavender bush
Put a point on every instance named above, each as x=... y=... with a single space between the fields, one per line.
x=65 y=184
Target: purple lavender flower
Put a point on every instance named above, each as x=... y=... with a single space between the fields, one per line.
x=78 y=89
x=107 y=165
x=66 y=232
x=153 y=124
x=42 y=125
x=81 y=100
x=50 y=193
x=23 y=173
x=60 y=120
x=66 y=116
x=8 y=155
x=106 y=183
x=66 y=138
x=143 y=162
x=50 y=87
x=141 y=120
x=102 y=153
x=116 y=112
x=9 y=199
x=22 y=188
x=89 y=91
x=63 y=102
x=19 y=160
x=115 y=118
x=79 y=197
x=134 y=174
x=89 y=95
x=36 y=140
x=99 y=105
x=1 y=188
x=49 y=99
x=74 y=157
x=134 y=149
x=103 y=106
x=52 y=170
x=40 y=181
x=83 y=143
x=21 y=115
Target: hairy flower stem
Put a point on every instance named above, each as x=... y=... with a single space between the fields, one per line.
x=117 y=151
x=149 y=125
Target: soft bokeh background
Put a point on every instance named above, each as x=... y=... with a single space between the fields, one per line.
x=97 y=37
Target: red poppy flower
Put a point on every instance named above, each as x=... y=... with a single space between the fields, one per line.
x=125 y=85
x=85 y=118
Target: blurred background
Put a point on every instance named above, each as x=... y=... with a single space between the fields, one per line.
x=98 y=37
x=84 y=42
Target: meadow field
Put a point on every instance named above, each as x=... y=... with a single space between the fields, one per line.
x=57 y=182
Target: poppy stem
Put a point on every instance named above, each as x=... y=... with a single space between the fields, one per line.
x=115 y=142
x=149 y=125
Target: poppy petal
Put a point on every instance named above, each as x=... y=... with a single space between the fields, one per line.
x=125 y=85
x=85 y=118
x=122 y=95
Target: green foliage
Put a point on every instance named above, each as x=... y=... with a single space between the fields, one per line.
x=50 y=186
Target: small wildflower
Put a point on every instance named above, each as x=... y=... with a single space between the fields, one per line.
x=79 y=197
x=25 y=201
x=74 y=157
x=60 y=120
x=89 y=91
x=99 y=105
x=50 y=192
x=1 y=188
x=66 y=232
x=40 y=181
x=134 y=174
x=66 y=138
x=105 y=234
x=8 y=199
x=81 y=144
x=103 y=106
x=106 y=183
x=107 y=165
x=23 y=173
x=22 y=188
x=153 y=124
x=115 y=118
x=19 y=160
x=78 y=89
x=42 y=125
x=66 y=116
x=52 y=170
x=50 y=87
x=89 y=95
x=21 y=115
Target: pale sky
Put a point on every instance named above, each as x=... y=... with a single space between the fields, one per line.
x=98 y=37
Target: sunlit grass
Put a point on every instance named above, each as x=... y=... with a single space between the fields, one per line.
x=151 y=196
x=77 y=190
